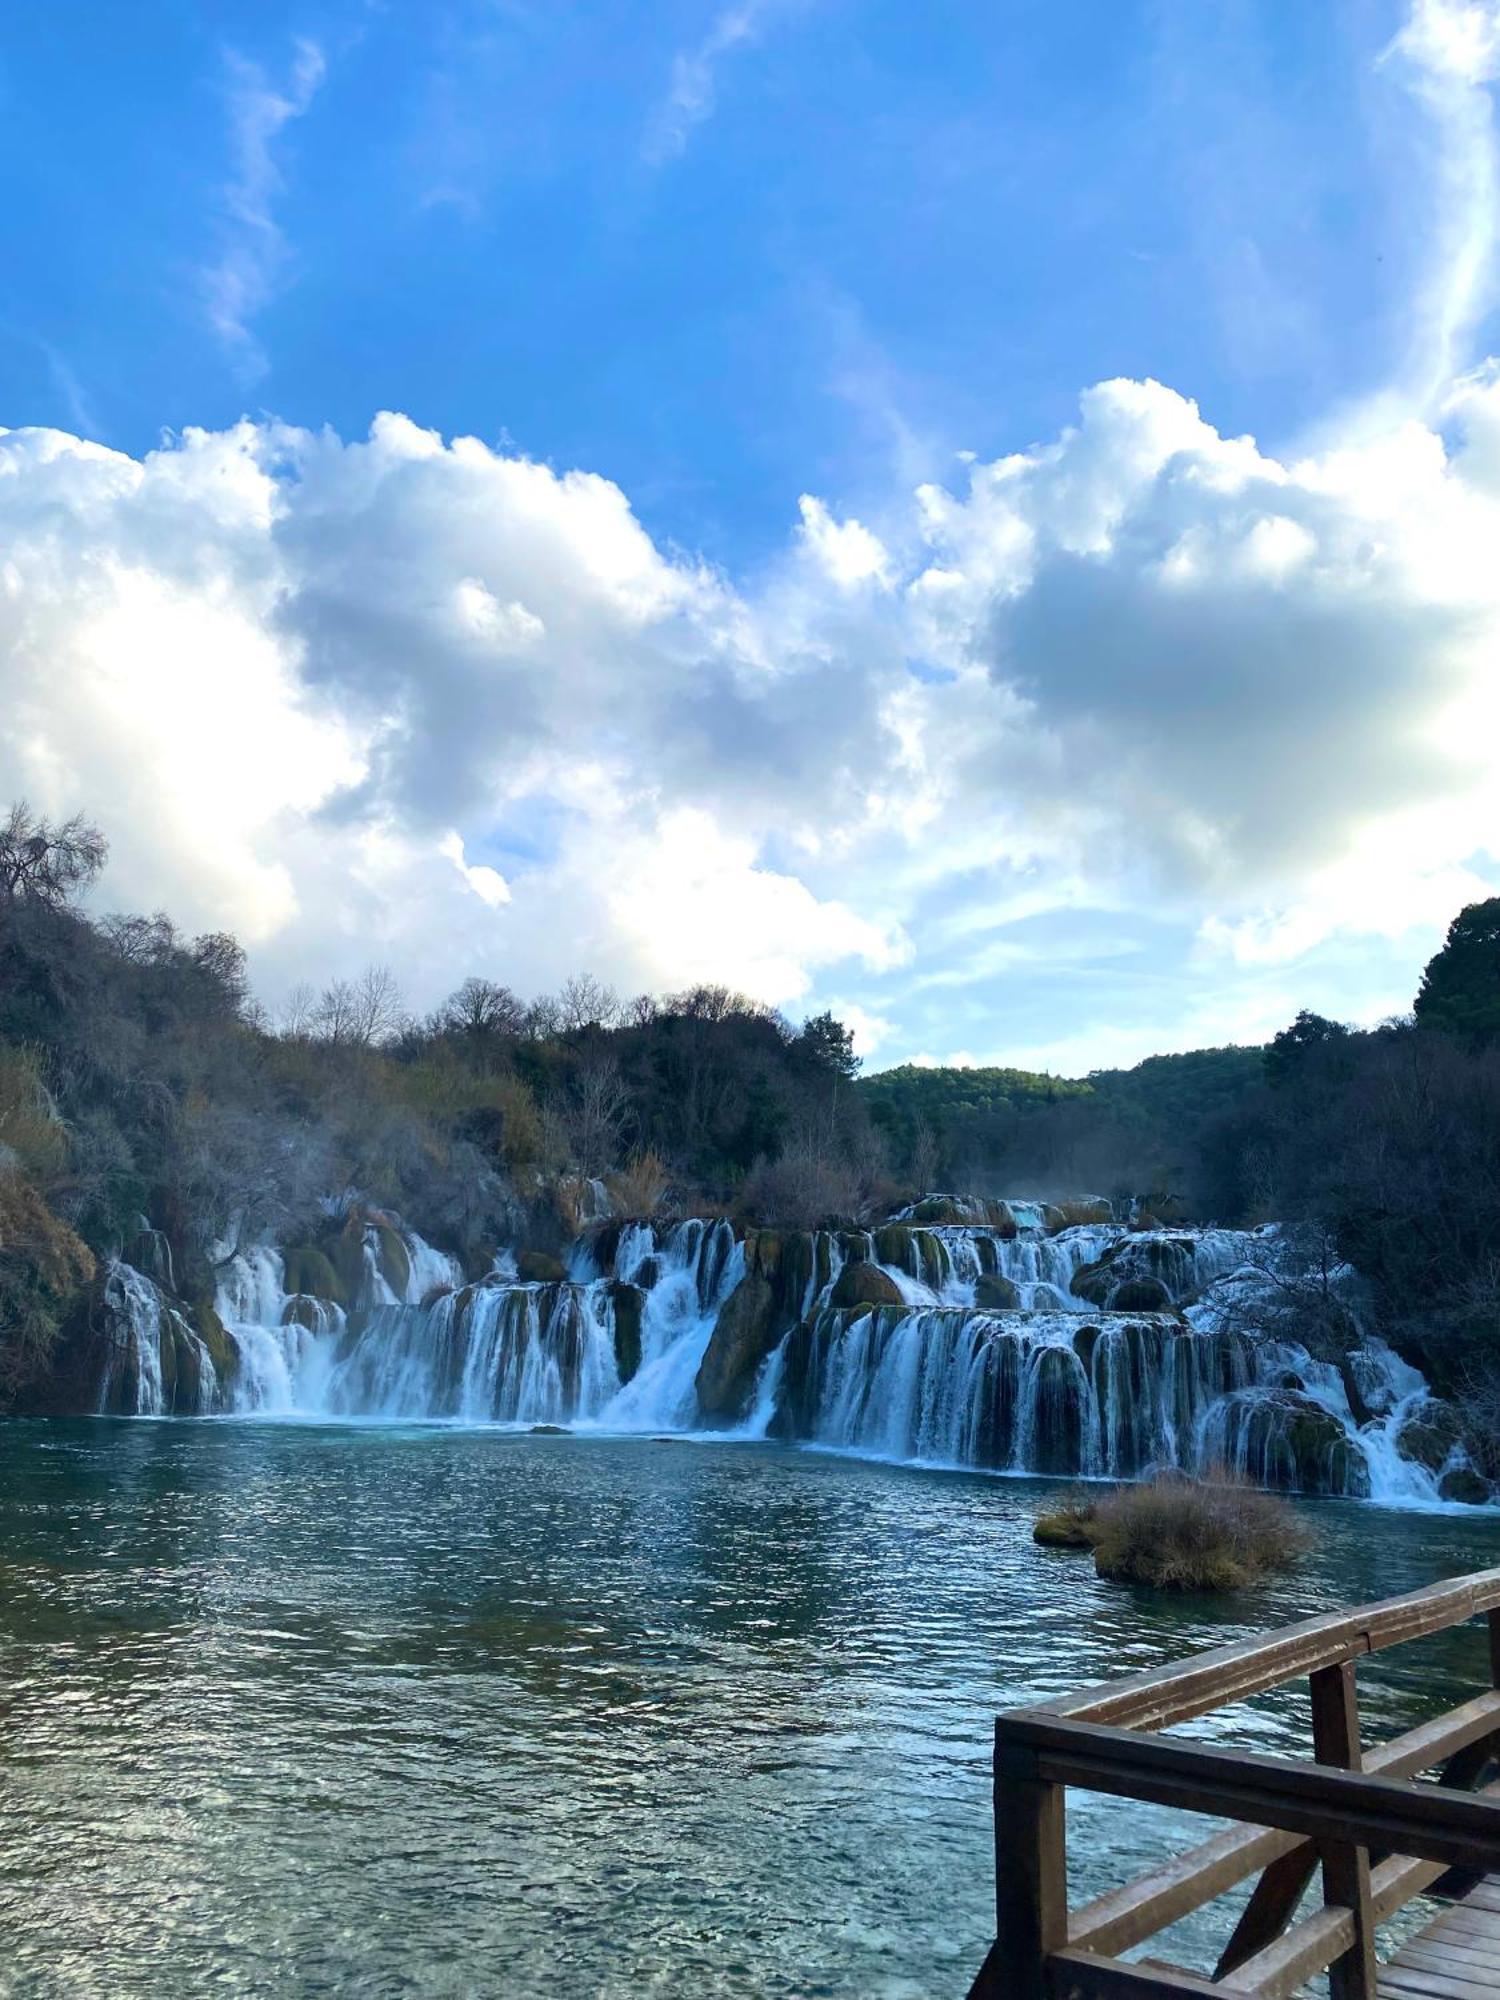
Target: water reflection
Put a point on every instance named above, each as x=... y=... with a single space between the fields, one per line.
x=432 y=1712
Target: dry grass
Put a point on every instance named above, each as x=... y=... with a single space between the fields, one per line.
x=1173 y=1533
x=640 y=1186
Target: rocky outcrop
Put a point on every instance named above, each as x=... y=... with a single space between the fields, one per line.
x=865 y=1285
x=627 y=1302
x=996 y=1293
x=539 y=1267
x=747 y=1329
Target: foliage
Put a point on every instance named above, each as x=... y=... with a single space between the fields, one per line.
x=1206 y=1534
x=1460 y=990
x=1309 y=1034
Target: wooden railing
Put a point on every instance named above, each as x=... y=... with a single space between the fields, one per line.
x=1379 y=1837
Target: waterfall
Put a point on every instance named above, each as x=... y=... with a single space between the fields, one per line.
x=618 y=1346
x=154 y=1363
x=997 y=1336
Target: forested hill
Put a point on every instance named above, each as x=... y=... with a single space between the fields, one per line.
x=1126 y=1132
x=145 y=1093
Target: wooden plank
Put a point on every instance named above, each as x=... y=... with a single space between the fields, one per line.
x=1137 y=1910
x=1411 y=1985
x=1031 y=1871
x=1285 y=1967
x=1078 y=1975
x=1177 y=1693
x=1377 y=1812
x=1346 y=1864
x=1270 y=1908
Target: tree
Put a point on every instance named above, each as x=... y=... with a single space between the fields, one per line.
x=480 y=1007
x=43 y=863
x=1460 y=989
x=586 y=1002
x=1288 y=1050
x=829 y=1045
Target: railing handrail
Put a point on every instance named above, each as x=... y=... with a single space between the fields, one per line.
x=1315 y=1800
x=1188 y=1688
x=1344 y=1810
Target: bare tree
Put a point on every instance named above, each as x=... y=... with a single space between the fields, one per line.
x=296 y=1017
x=379 y=1010
x=586 y=1002
x=597 y=1112
x=43 y=863
x=481 y=1007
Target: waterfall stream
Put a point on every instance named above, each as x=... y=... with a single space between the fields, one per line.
x=998 y=1343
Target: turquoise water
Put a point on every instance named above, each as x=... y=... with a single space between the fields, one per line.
x=305 y=1710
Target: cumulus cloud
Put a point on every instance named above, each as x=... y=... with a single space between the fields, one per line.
x=432 y=701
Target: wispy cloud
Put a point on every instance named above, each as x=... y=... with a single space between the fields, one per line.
x=1449 y=51
x=693 y=93
x=254 y=251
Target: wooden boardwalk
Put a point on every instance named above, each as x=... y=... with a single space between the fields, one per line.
x=1457 y=1957
x=1357 y=1816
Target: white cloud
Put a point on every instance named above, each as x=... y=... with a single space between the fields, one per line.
x=428 y=701
x=1449 y=52
x=253 y=250
x=693 y=91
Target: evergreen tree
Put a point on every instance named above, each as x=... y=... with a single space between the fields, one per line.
x=1460 y=989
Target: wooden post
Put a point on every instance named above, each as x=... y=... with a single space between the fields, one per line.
x=1492 y=1619
x=1031 y=1871
x=1346 y=1869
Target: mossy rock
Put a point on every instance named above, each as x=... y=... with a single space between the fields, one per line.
x=865 y=1285
x=1428 y=1436
x=1148 y=1295
x=763 y=1252
x=394 y=1258
x=301 y=1311
x=1093 y=1283
x=996 y=1293
x=307 y=1269
x=211 y=1330
x=1061 y=1531
x=1089 y=1212
x=746 y=1330
x=1464 y=1486
x=893 y=1243
x=435 y=1292
x=538 y=1267
x=628 y=1302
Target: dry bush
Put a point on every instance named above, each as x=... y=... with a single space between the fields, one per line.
x=640 y=1186
x=1208 y=1534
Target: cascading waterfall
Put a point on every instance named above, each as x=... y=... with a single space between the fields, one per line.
x=1008 y=1341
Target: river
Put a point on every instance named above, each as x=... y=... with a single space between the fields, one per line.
x=301 y=1709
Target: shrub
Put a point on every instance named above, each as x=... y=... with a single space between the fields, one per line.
x=1180 y=1534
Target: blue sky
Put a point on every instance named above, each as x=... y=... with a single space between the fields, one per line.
x=716 y=259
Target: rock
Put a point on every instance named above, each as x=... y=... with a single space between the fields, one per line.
x=1147 y=1295
x=302 y=1310
x=1090 y=1210
x=550 y=1431
x=1464 y=1485
x=1093 y=1282
x=1061 y=1531
x=1428 y=1436
x=747 y=1329
x=865 y=1285
x=627 y=1301
x=538 y=1267
x=994 y=1293
x=308 y=1270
